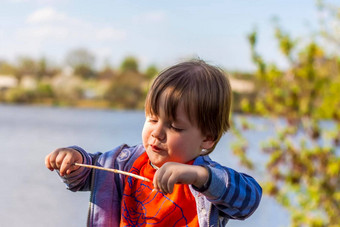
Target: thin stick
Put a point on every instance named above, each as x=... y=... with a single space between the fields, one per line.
x=114 y=171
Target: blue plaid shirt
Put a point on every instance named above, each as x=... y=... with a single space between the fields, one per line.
x=229 y=194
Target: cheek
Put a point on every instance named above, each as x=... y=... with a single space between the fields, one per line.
x=177 y=143
x=186 y=144
x=145 y=134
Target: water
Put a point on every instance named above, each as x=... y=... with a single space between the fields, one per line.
x=31 y=195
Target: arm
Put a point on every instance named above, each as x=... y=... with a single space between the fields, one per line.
x=236 y=194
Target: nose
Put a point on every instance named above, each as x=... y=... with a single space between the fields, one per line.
x=158 y=132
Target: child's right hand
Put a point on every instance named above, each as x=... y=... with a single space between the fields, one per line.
x=62 y=159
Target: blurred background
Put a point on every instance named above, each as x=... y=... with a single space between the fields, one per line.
x=77 y=72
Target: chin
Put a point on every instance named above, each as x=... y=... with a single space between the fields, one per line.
x=157 y=163
x=154 y=159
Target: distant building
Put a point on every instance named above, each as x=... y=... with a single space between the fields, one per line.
x=241 y=86
x=7 y=82
x=28 y=82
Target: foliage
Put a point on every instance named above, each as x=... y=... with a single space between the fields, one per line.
x=22 y=95
x=82 y=61
x=127 y=91
x=19 y=95
x=106 y=73
x=129 y=64
x=85 y=71
x=7 y=68
x=44 y=91
x=303 y=157
x=151 y=72
x=26 y=66
x=78 y=85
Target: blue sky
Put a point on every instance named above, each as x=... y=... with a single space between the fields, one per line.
x=155 y=31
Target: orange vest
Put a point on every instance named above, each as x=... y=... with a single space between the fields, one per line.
x=143 y=206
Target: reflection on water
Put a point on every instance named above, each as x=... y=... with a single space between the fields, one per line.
x=31 y=195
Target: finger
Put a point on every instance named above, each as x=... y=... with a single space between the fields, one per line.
x=163 y=181
x=164 y=184
x=47 y=162
x=66 y=165
x=171 y=183
x=155 y=181
x=52 y=159
x=59 y=161
x=71 y=162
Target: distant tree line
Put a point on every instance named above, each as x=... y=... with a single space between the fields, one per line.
x=79 y=83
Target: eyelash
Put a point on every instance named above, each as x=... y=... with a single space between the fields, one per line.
x=152 y=120
x=170 y=125
x=176 y=129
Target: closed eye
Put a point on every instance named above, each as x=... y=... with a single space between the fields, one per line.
x=152 y=119
x=176 y=129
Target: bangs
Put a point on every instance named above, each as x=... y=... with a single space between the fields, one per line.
x=173 y=92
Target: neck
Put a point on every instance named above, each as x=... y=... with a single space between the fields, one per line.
x=154 y=166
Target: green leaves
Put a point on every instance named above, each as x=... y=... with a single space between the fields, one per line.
x=303 y=155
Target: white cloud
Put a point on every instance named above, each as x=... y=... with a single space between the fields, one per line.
x=48 y=23
x=109 y=33
x=157 y=16
x=153 y=17
x=49 y=30
x=44 y=32
x=46 y=15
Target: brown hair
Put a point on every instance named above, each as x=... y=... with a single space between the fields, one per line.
x=204 y=90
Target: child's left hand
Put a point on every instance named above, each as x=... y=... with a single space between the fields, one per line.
x=172 y=173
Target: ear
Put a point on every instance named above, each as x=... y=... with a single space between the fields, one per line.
x=208 y=142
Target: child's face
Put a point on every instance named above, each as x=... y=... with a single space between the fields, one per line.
x=168 y=141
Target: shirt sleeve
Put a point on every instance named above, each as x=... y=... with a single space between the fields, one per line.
x=236 y=195
x=121 y=157
x=80 y=180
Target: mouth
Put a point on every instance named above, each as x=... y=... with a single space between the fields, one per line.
x=155 y=148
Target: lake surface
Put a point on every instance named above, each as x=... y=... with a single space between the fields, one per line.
x=31 y=195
